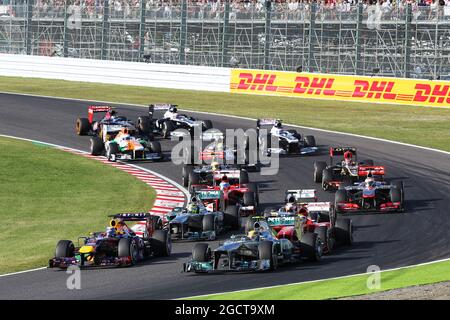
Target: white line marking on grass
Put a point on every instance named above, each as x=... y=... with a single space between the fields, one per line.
x=173 y=201
x=314 y=281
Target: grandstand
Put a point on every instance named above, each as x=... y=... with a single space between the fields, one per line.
x=401 y=38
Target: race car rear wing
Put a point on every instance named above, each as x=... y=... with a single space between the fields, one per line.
x=132 y=216
x=265 y=122
x=97 y=109
x=301 y=194
x=212 y=134
x=208 y=194
x=319 y=206
x=364 y=171
x=158 y=107
x=231 y=174
x=339 y=151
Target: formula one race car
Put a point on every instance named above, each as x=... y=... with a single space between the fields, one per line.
x=124 y=146
x=195 y=222
x=318 y=217
x=110 y=123
x=259 y=250
x=345 y=172
x=118 y=246
x=240 y=198
x=172 y=120
x=289 y=141
x=370 y=196
x=221 y=152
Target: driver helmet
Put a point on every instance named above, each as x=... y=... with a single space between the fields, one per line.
x=278 y=124
x=193 y=208
x=348 y=155
x=215 y=165
x=224 y=184
x=110 y=232
x=370 y=181
x=290 y=207
x=303 y=211
x=219 y=146
x=173 y=109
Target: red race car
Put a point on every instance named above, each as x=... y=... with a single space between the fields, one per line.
x=345 y=172
x=237 y=198
x=316 y=217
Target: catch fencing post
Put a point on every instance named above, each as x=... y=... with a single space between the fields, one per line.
x=183 y=32
x=66 y=31
x=358 y=62
x=267 y=31
x=105 y=30
x=312 y=22
x=142 y=29
x=29 y=32
x=407 y=61
x=225 y=34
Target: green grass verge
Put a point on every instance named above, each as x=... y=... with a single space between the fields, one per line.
x=48 y=194
x=345 y=287
x=422 y=126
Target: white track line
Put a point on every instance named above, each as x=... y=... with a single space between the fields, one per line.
x=143 y=174
x=250 y=119
x=238 y=117
x=315 y=281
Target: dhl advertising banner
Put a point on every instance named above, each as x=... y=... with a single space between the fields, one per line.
x=341 y=87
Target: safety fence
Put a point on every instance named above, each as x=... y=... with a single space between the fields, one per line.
x=262 y=82
x=408 y=41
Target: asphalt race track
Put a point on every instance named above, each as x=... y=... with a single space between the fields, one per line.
x=420 y=234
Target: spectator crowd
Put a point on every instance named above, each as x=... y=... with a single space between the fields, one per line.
x=374 y=10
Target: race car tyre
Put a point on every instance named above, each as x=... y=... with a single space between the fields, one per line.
x=243 y=177
x=185 y=172
x=190 y=154
x=253 y=187
x=167 y=128
x=82 y=126
x=194 y=178
x=208 y=222
x=324 y=236
x=319 y=166
x=311 y=246
x=144 y=125
x=367 y=162
x=161 y=243
x=343 y=231
x=327 y=176
x=155 y=146
x=265 y=143
x=206 y=125
x=201 y=252
x=339 y=197
x=310 y=141
x=65 y=249
x=249 y=199
x=396 y=193
x=111 y=148
x=231 y=217
x=127 y=248
x=266 y=252
x=97 y=146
